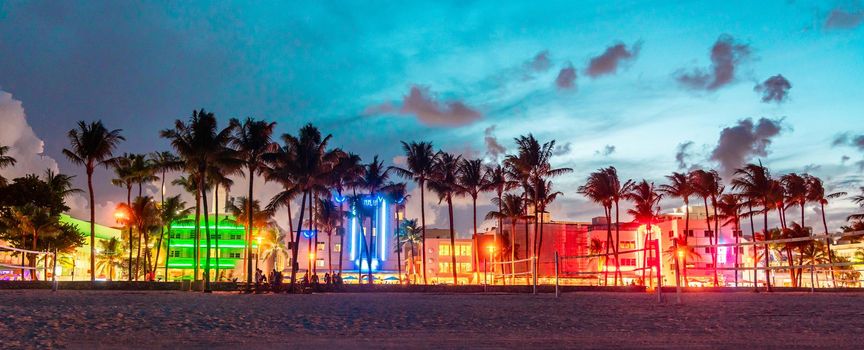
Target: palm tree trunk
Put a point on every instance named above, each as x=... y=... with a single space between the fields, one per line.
x=167 y=251
x=423 y=225
x=138 y=254
x=716 y=237
x=618 y=274
x=399 y=243
x=539 y=242
x=685 y=238
x=828 y=245
x=129 y=225
x=249 y=215
x=452 y=238
x=767 y=256
x=216 y=224
x=607 y=211
x=207 y=276
x=755 y=247
x=512 y=250
x=294 y=252
x=197 y=234
x=342 y=236
x=474 y=236
x=92 y=224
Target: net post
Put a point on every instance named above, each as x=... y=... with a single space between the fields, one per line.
x=534 y=273
x=485 y=275
x=557 y=283
x=658 y=259
x=677 y=271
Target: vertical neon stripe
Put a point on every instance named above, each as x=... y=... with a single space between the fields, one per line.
x=383 y=233
x=353 y=237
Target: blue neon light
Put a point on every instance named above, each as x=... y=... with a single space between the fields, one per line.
x=309 y=233
x=353 y=236
x=383 y=218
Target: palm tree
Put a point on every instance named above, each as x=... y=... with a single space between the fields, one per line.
x=795 y=187
x=5 y=161
x=172 y=209
x=92 y=145
x=816 y=194
x=240 y=207
x=512 y=208
x=498 y=180
x=303 y=161
x=254 y=142
x=190 y=184
x=543 y=195
x=730 y=208
x=202 y=145
x=274 y=245
x=444 y=183
x=679 y=186
x=145 y=218
x=345 y=174
x=597 y=188
x=142 y=171
x=859 y=200
x=162 y=163
x=374 y=181
x=125 y=177
x=754 y=182
x=472 y=182
x=218 y=178
x=109 y=255
x=420 y=159
x=646 y=209
x=396 y=193
x=707 y=184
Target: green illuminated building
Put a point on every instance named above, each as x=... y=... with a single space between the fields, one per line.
x=227 y=240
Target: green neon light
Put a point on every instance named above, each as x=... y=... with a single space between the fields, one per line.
x=225 y=243
x=227 y=228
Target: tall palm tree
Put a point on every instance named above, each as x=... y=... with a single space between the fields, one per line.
x=707 y=184
x=444 y=183
x=162 y=163
x=397 y=193
x=543 y=195
x=754 y=183
x=344 y=175
x=145 y=218
x=859 y=200
x=646 y=209
x=190 y=184
x=91 y=145
x=202 y=145
x=512 y=208
x=253 y=140
x=598 y=189
x=5 y=161
x=499 y=181
x=124 y=176
x=274 y=245
x=795 y=187
x=374 y=180
x=142 y=171
x=420 y=159
x=219 y=179
x=730 y=206
x=679 y=186
x=172 y=209
x=816 y=194
x=411 y=234
x=472 y=182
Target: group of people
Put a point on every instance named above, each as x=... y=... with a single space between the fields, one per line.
x=335 y=280
x=275 y=279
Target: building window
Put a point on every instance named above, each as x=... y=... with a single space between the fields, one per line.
x=463 y=250
x=321 y=246
x=689 y=233
x=174 y=254
x=444 y=249
x=175 y=235
x=707 y=249
x=709 y=233
x=628 y=262
x=737 y=233
x=444 y=267
x=234 y=255
x=628 y=244
x=237 y=236
x=671 y=234
x=337 y=247
x=319 y=262
x=463 y=267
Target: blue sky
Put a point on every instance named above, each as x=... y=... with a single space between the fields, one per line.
x=473 y=66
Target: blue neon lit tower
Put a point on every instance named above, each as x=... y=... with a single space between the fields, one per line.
x=364 y=252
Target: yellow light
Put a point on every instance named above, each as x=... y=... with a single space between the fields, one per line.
x=680 y=253
x=311 y=256
x=259 y=240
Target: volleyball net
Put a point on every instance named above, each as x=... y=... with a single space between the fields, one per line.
x=46 y=257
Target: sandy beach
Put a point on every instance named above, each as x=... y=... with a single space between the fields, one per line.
x=118 y=319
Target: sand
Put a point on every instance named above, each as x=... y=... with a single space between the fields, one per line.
x=118 y=319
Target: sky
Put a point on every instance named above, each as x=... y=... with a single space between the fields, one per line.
x=649 y=87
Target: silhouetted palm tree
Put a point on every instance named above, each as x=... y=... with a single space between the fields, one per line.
x=512 y=208
x=444 y=183
x=795 y=188
x=125 y=177
x=327 y=219
x=253 y=140
x=754 y=183
x=420 y=159
x=92 y=145
x=542 y=194
x=396 y=193
x=374 y=180
x=172 y=210
x=5 y=161
x=472 y=182
x=730 y=210
x=707 y=184
x=816 y=194
x=598 y=189
x=646 y=209
x=498 y=180
x=202 y=145
x=679 y=186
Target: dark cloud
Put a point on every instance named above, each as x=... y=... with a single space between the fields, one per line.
x=423 y=104
x=607 y=63
x=845 y=18
x=561 y=150
x=606 y=151
x=847 y=139
x=540 y=62
x=566 y=77
x=682 y=153
x=811 y=168
x=738 y=144
x=774 y=89
x=844 y=159
x=726 y=54
x=493 y=147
